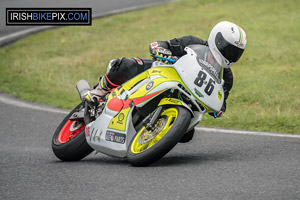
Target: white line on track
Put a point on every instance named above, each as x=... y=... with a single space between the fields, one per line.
x=6 y=99
x=243 y=132
x=22 y=33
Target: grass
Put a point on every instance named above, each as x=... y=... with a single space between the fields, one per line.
x=45 y=67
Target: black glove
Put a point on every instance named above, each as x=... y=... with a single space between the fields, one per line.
x=219 y=113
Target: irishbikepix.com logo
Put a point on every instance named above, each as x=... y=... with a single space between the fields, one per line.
x=48 y=16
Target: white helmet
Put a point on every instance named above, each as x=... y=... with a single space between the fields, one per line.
x=227 y=42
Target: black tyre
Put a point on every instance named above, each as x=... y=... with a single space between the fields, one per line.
x=146 y=147
x=68 y=142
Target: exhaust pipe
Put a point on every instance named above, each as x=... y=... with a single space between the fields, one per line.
x=82 y=87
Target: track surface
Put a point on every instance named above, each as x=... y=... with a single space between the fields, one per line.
x=212 y=166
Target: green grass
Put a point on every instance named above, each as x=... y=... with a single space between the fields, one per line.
x=45 y=67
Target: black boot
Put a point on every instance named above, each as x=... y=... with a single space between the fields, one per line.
x=187 y=136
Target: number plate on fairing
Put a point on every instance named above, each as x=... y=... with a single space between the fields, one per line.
x=201 y=81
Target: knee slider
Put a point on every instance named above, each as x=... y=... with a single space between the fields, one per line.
x=113 y=65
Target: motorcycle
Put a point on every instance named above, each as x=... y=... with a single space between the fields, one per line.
x=144 y=118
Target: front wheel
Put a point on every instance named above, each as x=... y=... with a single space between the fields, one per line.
x=148 y=146
x=68 y=142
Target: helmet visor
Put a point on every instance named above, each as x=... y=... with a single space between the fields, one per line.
x=230 y=52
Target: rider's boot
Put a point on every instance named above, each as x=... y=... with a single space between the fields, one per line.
x=187 y=136
x=99 y=91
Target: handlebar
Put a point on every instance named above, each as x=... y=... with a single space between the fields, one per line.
x=163 y=58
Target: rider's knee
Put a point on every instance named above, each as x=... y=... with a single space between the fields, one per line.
x=113 y=65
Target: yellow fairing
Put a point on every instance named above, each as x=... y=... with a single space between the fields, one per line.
x=161 y=74
x=169 y=101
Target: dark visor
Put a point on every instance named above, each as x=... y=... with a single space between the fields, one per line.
x=230 y=52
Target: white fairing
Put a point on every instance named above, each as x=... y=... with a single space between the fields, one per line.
x=188 y=68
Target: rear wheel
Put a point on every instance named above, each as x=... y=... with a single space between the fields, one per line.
x=68 y=142
x=148 y=146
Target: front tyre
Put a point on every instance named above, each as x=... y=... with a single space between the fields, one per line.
x=68 y=142
x=148 y=146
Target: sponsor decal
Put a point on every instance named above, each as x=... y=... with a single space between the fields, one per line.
x=93 y=135
x=154 y=44
x=209 y=66
x=94 y=138
x=155 y=71
x=121 y=118
x=232 y=29
x=114 y=94
x=239 y=44
x=149 y=85
x=48 y=16
x=139 y=61
x=198 y=93
x=220 y=95
x=98 y=136
x=115 y=137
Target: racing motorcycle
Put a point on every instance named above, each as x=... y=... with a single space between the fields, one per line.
x=144 y=118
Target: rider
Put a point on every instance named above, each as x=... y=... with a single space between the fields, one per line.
x=227 y=42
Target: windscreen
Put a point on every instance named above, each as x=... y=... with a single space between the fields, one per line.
x=207 y=61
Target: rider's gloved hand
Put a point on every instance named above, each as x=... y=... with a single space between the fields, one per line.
x=216 y=114
x=219 y=113
x=165 y=53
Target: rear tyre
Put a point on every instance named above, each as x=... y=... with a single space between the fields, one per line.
x=146 y=146
x=68 y=142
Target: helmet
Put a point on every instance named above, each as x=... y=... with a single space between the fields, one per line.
x=227 y=42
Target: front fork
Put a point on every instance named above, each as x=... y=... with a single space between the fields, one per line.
x=150 y=125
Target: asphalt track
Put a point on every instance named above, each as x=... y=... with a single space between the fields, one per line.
x=216 y=164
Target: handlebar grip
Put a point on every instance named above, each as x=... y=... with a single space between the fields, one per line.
x=163 y=58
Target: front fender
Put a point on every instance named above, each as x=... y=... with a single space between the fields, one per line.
x=177 y=102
